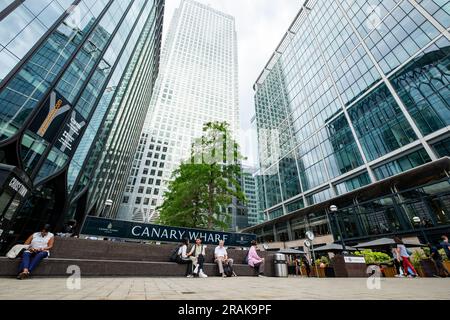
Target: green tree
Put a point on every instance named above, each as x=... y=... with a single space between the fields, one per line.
x=203 y=187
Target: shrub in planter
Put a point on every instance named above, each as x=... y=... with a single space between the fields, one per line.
x=374 y=257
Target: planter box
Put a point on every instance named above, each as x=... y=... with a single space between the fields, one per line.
x=447 y=265
x=321 y=272
x=389 y=272
x=427 y=267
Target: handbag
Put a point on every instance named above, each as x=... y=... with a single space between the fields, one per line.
x=16 y=250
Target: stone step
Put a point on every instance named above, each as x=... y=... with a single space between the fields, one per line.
x=73 y=248
x=57 y=267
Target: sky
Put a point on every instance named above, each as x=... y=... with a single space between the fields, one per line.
x=260 y=26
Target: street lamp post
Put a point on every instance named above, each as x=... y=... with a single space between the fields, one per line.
x=418 y=221
x=334 y=210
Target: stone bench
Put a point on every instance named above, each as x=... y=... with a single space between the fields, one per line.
x=109 y=258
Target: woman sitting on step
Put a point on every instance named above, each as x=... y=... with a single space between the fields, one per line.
x=40 y=244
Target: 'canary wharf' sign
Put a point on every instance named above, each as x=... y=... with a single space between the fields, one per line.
x=94 y=226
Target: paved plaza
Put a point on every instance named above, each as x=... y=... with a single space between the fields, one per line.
x=240 y=288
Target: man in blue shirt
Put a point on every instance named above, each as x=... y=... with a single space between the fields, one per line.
x=437 y=259
x=445 y=245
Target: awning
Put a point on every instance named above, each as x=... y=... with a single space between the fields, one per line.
x=334 y=247
x=384 y=242
x=291 y=251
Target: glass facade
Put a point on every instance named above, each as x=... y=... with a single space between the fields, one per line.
x=356 y=92
x=65 y=67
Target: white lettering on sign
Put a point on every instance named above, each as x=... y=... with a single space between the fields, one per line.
x=354 y=260
x=176 y=235
x=69 y=135
x=17 y=186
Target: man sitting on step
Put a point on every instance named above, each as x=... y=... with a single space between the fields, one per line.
x=197 y=255
x=221 y=258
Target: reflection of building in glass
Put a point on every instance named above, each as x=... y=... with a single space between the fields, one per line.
x=197 y=84
x=249 y=188
x=72 y=99
x=359 y=116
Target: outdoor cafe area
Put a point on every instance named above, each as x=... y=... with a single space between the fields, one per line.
x=325 y=261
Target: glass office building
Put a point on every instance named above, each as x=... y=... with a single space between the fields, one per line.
x=76 y=79
x=353 y=110
x=197 y=84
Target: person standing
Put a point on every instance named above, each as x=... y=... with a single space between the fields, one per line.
x=254 y=260
x=446 y=246
x=397 y=262
x=404 y=255
x=40 y=244
x=307 y=265
x=197 y=255
x=183 y=258
x=437 y=259
x=221 y=258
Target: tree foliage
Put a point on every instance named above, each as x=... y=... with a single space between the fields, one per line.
x=203 y=187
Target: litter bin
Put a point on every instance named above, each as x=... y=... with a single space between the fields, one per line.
x=280 y=265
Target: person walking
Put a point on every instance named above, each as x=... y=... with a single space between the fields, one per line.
x=221 y=258
x=397 y=262
x=437 y=259
x=254 y=260
x=40 y=244
x=404 y=255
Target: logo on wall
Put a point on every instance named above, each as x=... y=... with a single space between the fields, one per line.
x=55 y=109
x=50 y=117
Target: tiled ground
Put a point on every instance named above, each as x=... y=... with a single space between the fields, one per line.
x=242 y=288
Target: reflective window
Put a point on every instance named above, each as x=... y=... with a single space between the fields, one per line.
x=402 y=164
x=424 y=87
x=353 y=183
x=380 y=124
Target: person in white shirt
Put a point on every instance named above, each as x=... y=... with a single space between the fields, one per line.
x=40 y=244
x=221 y=258
x=183 y=257
x=197 y=255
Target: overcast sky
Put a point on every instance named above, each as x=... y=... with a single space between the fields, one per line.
x=260 y=25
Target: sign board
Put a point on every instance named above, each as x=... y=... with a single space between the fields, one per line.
x=307 y=243
x=71 y=133
x=354 y=259
x=94 y=226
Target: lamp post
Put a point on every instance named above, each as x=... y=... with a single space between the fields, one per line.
x=419 y=222
x=334 y=210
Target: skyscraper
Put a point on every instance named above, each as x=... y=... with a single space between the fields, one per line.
x=76 y=81
x=197 y=84
x=353 y=110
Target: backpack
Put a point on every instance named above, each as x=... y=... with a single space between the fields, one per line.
x=246 y=258
x=228 y=270
x=174 y=255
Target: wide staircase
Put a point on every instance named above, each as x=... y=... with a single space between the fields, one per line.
x=98 y=258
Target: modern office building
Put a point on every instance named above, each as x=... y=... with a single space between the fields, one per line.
x=76 y=81
x=353 y=110
x=197 y=84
